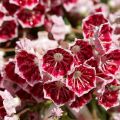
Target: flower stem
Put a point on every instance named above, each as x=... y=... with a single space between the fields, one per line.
x=23 y=111
x=77 y=30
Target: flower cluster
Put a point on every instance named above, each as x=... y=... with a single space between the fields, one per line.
x=53 y=69
x=70 y=75
x=18 y=15
x=30 y=14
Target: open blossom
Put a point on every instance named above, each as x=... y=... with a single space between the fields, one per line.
x=92 y=23
x=81 y=80
x=58 y=92
x=101 y=77
x=98 y=30
x=82 y=51
x=30 y=18
x=110 y=96
x=110 y=62
x=57 y=62
x=36 y=91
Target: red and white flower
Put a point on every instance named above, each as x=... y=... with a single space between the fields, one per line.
x=57 y=62
x=82 y=51
x=100 y=75
x=81 y=80
x=109 y=98
x=92 y=23
x=30 y=18
x=97 y=28
x=58 y=92
x=110 y=62
x=28 y=67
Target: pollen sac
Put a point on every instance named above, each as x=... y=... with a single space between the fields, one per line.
x=57 y=62
x=81 y=80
